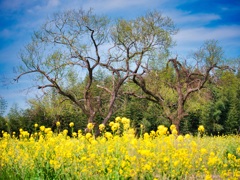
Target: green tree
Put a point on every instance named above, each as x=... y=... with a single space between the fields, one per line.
x=3 y=106
x=232 y=124
x=231 y=91
x=220 y=114
x=3 y=125
x=16 y=120
x=212 y=116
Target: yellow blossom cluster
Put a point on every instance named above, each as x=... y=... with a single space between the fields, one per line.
x=71 y=124
x=201 y=129
x=120 y=124
x=160 y=154
x=101 y=127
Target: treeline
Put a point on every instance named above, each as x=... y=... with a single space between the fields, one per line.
x=91 y=69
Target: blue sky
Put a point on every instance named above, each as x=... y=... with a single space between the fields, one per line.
x=197 y=20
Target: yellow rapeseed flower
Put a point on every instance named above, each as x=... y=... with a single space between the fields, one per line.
x=125 y=120
x=58 y=124
x=208 y=177
x=117 y=119
x=101 y=127
x=25 y=134
x=203 y=151
x=111 y=123
x=115 y=127
x=187 y=136
x=79 y=132
x=162 y=130
x=174 y=132
x=47 y=130
x=42 y=128
x=90 y=126
x=146 y=136
x=172 y=127
x=35 y=125
x=6 y=135
x=108 y=135
x=180 y=138
x=88 y=135
x=152 y=133
x=65 y=131
x=74 y=134
x=71 y=124
x=201 y=129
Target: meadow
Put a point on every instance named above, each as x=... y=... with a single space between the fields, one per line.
x=118 y=154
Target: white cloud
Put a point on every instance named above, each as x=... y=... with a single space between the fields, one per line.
x=53 y=3
x=184 y=18
x=190 y=39
x=128 y=5
x=199 y=18
x=201 y=34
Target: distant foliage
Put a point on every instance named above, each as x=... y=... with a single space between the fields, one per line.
x=3 y=105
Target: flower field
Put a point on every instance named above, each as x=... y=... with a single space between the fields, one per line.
x=118 y=154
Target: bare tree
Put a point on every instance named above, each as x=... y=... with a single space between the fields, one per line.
x=83 y=42
x=69 y=40
x=183 y=82
x=136 y=43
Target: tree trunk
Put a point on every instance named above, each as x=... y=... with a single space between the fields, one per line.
x=110 y=109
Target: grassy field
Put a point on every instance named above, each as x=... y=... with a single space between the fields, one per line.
x=118 y=154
